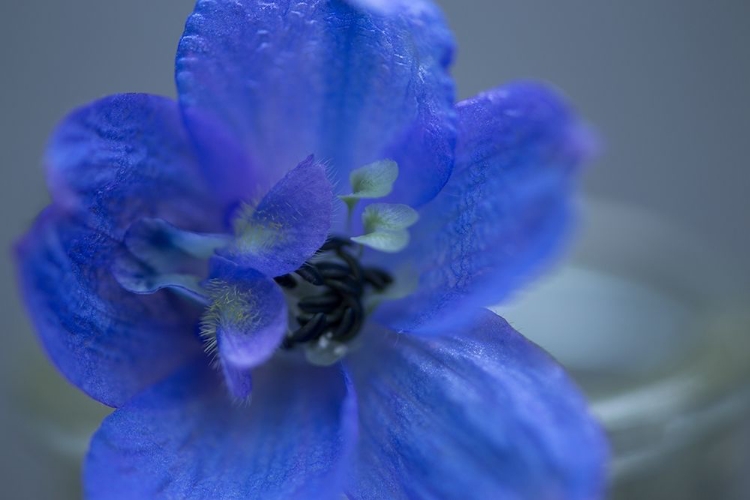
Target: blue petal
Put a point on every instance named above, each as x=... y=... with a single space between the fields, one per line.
x=185 y=439
x=348 y=82
x=504 y=213
x=289 y=225
x=136 y=276
x=157 y=241
x=247 y=319
x=105 y=340
x=484 y=414
x=239 y=382
x=126 y=157
x=164 y=256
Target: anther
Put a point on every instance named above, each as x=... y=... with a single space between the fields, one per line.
x=378 y=278
x=331 y=270
x=335 y=316
x=310 y=330
x=335 y=311
x=353 y=264
x=286 y=281
x=347 y=331
x=334 y=243
x=309 y=273
x=320 y=303
x=347 y=322
x=345 y=286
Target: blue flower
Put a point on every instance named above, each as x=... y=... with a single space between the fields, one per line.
x=271 y=324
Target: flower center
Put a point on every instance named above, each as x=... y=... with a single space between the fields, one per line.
x=329 y=296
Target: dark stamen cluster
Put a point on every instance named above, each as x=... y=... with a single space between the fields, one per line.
x=335 y=308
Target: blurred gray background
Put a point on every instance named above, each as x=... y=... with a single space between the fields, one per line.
x=666 y=82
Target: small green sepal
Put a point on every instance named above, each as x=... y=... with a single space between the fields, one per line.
x=371 y=181
x=385 y=241
x=388 y=217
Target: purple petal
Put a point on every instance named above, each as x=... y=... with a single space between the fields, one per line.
x=185 y=439
x=482 y=414
x=105 y=340
x=289 y=225
x=247 y=318
x=125 y=157
x=164 y=256
x=239 y=382
x=504 y=213
x=138 y=277
x=344 y=82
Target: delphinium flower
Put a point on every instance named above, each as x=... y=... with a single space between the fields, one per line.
x=279 y=281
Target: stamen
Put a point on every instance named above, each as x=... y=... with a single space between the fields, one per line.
x=345 y=287
x=286 y=281
x=334 y=243
x=322 y=303
x=345 y=325
x=378 y=278
x=309 y=331
x=333 y=313
x=331 y=270
x=310 y=273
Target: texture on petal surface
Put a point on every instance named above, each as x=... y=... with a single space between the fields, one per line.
x=185 y=439
x=504 y=212
x=107 y=341
x=125 y=157
x=289 y=225
x=348 y=83
x=483 y=414
x=109 y=164
x=247 y=319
